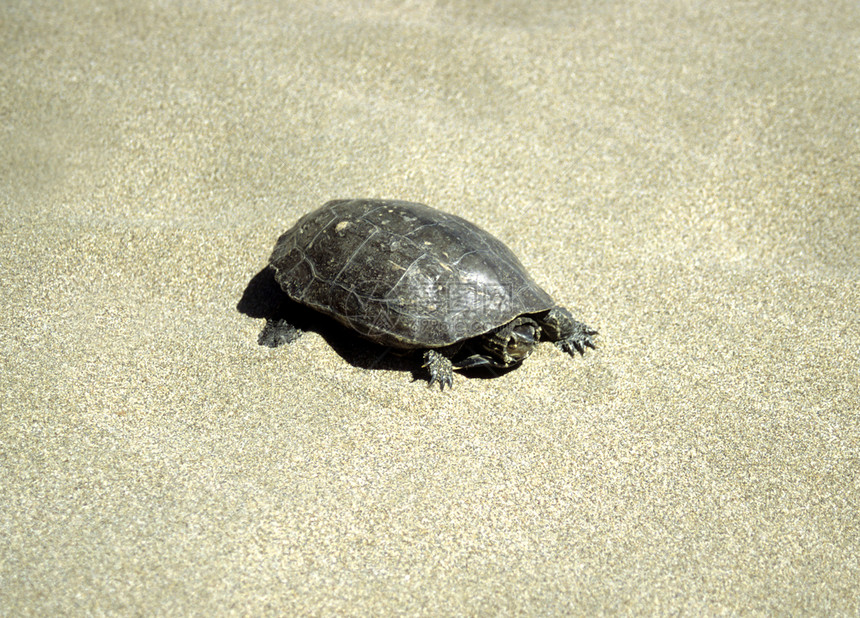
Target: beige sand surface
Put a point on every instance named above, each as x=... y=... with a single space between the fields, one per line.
x=684 y=175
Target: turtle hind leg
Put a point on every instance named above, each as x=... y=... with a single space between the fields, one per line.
x=440 y=368
x=277 y=333
x=568 y=334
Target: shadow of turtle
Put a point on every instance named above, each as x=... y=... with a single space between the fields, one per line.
x=263 y=298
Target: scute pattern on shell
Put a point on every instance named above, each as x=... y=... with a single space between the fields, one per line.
x=403 y=274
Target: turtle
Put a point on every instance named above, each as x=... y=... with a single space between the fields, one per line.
x=410 y=277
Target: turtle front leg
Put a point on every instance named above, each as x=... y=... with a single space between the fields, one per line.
x=440 y=368
x=277 y=333
x=568 y=334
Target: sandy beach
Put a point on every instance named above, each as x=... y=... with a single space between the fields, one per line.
x=684 y=176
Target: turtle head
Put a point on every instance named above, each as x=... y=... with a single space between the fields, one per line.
x=504 y=347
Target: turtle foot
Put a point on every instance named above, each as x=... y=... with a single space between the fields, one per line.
x=578 y=340
x=440 y=369
x=277 y=333
x=568 y=334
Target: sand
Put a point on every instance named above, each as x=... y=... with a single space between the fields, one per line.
x=683 y=176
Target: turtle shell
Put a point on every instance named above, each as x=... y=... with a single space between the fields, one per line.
x=403 y=274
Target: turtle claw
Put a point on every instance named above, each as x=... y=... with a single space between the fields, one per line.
x=568 y=334
x=440 y=369
x=577 y=343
